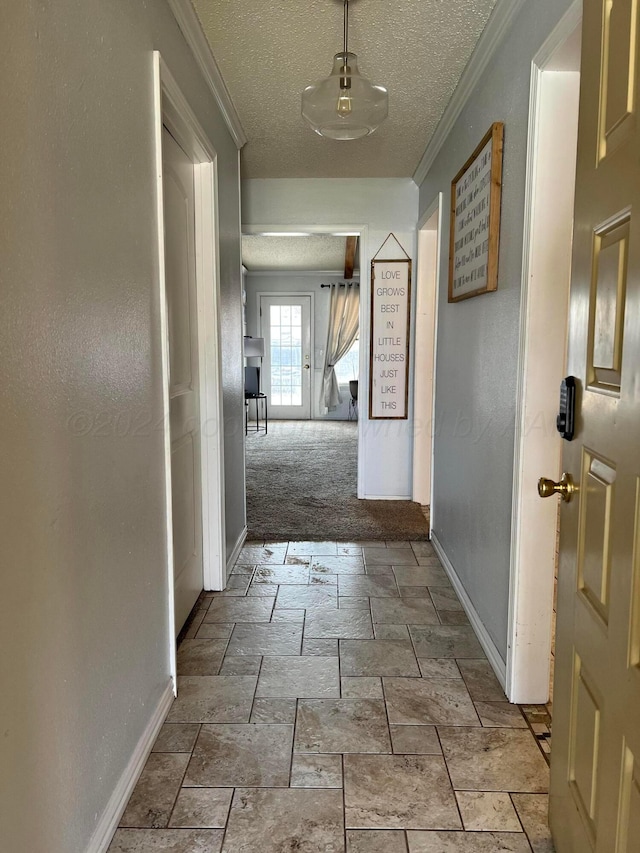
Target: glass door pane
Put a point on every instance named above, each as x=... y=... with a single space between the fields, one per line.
x=285 y=324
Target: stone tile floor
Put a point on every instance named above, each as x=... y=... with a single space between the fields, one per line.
x=335 y=699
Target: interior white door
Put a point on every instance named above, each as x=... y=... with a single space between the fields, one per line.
x=184 y=408
x=287 y=369
x=595 y=757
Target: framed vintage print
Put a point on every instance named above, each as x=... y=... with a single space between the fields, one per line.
x=390 y=329
x=475 y=219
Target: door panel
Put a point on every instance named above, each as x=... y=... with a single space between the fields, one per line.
x=585 y=740
x=595 y=529
x=617 y=62
x=629 y=822
x=184 y=409
x=287 y=366
x=608 y=304
x=596 y=725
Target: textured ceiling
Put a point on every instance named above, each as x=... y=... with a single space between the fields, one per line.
x=319 y=252
x=268 y=52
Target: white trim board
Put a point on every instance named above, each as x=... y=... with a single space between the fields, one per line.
x=173 y=111
x=432 y=503
x=546 y=265
x=387 y=498
x=110 y=818
x=503 y=15
x=191 y=29
x=425 y=347
x=490 y=648
x=164 y=360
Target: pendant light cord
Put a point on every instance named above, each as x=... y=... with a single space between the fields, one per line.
x=346 y=28
x=345 y=81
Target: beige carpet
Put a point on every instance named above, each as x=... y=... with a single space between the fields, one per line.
x=301 y=484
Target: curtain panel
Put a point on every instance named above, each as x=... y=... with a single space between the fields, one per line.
x=344 y=324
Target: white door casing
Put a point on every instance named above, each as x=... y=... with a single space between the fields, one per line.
x=172 y=110
x=427 y=280
x=546 y=274
x=287 y=368
x=184 y=392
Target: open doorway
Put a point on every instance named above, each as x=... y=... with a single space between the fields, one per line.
x=429 y=229
x=553 y=132
x=302 y=314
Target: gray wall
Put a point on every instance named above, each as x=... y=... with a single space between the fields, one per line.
x=83 y=606
x=304 y=282
x=478 y=339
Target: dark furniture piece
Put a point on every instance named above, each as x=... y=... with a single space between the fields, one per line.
x=353 y=401
x=252 y=392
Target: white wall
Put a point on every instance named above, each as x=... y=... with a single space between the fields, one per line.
x=478 y=339
x=83 y=603
x=301 y=282
x=375 y=206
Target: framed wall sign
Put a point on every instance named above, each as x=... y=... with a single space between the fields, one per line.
x=475 y=219
x=390 y=327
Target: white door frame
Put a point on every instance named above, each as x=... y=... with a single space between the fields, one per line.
x=365 y=297
x=172 y=110
x=424 y=390
x=279 y=294
x=543 y=339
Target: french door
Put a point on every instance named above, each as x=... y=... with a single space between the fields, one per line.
x=286 y=368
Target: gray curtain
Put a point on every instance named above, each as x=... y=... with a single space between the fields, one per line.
x=344 y=321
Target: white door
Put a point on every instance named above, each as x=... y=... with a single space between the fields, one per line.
x=184 y=408
x=595 y=757
x=287 y=369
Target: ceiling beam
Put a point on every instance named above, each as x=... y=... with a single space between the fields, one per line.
x=350 y=256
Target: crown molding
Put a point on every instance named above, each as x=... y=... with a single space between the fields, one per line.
x=497 y=26
x=191 y=29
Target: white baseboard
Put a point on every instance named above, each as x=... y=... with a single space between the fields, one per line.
x=387 y=498
x=236 y=550
x=110 y=819
x=490 y=648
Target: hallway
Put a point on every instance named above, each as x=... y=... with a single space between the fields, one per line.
x=334 y=698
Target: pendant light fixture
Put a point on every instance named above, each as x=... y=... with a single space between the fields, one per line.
x=345 y=105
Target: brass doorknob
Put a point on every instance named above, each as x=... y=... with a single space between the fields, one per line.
x=565 y=488
x=306 y=366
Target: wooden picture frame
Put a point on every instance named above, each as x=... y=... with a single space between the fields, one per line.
x=390 y=339
x=474 y=241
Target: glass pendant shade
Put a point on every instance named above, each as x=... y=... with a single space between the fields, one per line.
x=345 y=105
